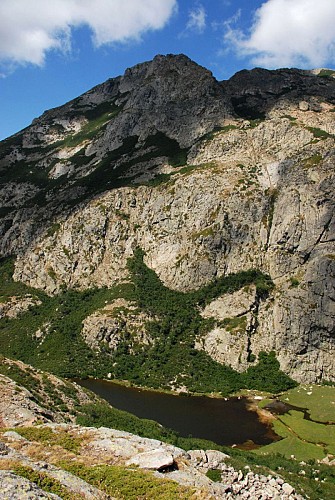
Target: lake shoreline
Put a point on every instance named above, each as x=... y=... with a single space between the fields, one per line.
x=230 y=421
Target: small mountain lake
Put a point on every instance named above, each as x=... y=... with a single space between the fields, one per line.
x=226 y=422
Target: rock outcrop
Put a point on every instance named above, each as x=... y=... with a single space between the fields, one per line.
x=116 y=322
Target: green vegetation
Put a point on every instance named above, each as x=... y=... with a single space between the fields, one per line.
x=313 y=432
x=305 y=439
x=9 y=287
x=161 y=145
x=312 y=161
x=235 y=325
x=319 y=133
x=214 y=475
x=110 y=173
x=103 y=415
x=105 y=176
x=47 y=435
x=274 y=458
x=255 y=122
x=292 y=446
x=23 y=377
x=312 y=480
x=63 y=351
x=269 y=459
x=170 y=355
x=320 y=401
x=97 y=122
x=45 y=482
x=294 y=282
x=326 y=73
x=63 y=398
x=129 y=484
x=289 y=117
x=216 y=130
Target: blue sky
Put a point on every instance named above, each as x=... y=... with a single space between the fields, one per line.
x=54 y=50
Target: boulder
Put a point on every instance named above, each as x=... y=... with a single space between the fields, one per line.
x=153 y=460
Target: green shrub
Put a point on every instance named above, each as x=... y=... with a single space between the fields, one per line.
x=129 y=484
x=267 y=376
x=214 y=475
x=319 y=133
x=45 y=482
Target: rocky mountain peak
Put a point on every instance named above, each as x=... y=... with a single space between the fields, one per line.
x=208 y=179
x=173 y=95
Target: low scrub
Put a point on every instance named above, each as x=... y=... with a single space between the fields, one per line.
x=130 y=484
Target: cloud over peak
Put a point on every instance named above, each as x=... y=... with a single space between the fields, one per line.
x=30 y=28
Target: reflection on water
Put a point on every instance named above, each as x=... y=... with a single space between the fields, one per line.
x=224 y=422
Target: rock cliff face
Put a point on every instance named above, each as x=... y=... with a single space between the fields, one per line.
x=207 y=178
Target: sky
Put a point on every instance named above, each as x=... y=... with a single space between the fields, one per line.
x=51 y=51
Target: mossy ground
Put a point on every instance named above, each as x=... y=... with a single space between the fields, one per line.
x=319 y=399
x=303 y=438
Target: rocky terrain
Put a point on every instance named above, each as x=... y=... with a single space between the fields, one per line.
x=208 y=178
x=44 y=455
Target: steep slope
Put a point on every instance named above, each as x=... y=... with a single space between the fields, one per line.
x=208 y=179
x=102 y=139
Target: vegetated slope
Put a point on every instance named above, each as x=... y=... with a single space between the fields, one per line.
x=140 y=331
x=209 y=179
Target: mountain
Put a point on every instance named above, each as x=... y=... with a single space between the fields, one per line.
x=171 y=229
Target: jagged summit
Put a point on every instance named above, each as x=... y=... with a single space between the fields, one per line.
x=170 y=94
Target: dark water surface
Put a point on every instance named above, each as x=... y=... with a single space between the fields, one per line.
x=224 y=422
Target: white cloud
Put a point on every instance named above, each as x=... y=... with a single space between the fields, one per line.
x=31 y=28
x=288 y=33
x=197 y=19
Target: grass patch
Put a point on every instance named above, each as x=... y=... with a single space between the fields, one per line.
x=312 y=432
x=294 y=282
x=319 y=400
x=48 y=436
x=214 y=475
x=312 y=161
x=236 y=325
x=293 y=446
x=319 y=133
x=216 y=130
x=326 y=72
x=305 y=439
x=255 y=122
x=289 y=117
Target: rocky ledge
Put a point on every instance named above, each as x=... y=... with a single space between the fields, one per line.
x=108 y=446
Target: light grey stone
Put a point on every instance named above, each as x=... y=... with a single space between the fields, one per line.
x=154 y=460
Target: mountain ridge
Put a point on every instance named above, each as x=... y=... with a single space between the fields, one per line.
x=209 y=179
